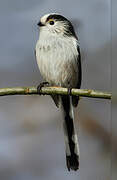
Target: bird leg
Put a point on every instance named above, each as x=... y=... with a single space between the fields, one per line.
x=43 y=84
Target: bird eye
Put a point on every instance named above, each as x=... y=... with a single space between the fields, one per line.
x=51 y=22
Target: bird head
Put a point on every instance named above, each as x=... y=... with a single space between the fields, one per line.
x=56 y=24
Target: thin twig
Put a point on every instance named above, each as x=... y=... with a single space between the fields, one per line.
x=54 y=90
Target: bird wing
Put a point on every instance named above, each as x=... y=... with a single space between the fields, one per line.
x=76 y=98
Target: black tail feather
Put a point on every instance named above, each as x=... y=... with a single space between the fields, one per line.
x=72 y=162
x=72 y=158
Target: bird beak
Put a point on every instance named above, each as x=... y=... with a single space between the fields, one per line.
x=40 y=24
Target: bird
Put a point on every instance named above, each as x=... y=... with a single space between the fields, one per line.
x=59 y=60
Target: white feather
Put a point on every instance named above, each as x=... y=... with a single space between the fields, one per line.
x=54 y=53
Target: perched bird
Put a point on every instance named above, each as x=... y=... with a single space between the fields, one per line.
x=59 y=61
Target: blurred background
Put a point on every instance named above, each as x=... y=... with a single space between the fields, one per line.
x=31 y=136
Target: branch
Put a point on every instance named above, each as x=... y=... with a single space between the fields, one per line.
x=54 y=90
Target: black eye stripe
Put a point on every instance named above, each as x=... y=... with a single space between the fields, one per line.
x=57 y=17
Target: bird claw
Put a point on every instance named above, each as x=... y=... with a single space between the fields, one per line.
x=39 y=87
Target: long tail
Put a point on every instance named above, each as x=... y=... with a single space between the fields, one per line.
x=71 y=142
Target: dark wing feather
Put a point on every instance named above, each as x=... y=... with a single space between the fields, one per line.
x=56 y=99
x=74 y=98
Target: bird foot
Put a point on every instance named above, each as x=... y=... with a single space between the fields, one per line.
x=43 y=84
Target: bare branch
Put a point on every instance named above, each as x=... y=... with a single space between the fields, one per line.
x=54 y=90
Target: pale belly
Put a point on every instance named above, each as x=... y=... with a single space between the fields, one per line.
x=57 y=67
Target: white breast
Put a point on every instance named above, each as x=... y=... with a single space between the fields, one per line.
x=57 y=60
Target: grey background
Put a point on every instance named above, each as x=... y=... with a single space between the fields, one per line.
x=31 y=137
